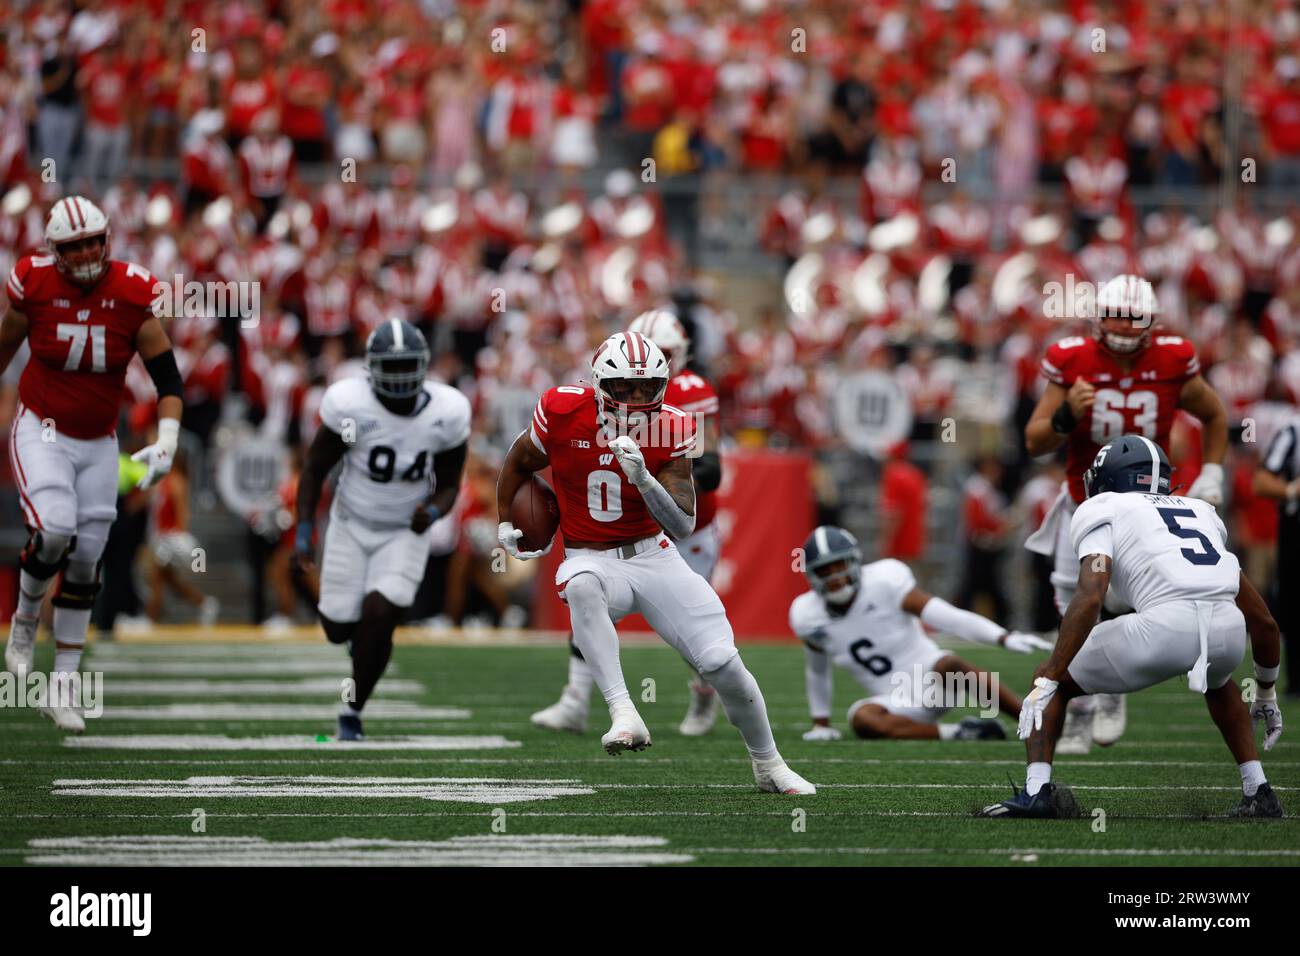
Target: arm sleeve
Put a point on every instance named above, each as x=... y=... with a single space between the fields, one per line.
x=818 y=682
x=1280 y=450
x=942 y=616
x=538 y=429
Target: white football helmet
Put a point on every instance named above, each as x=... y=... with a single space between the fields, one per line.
x=1130 y=298
x=666 y=331
x=72 y=220
x=630 y=375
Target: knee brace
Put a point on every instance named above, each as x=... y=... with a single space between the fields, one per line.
x=79 y=586
x=46 y=554
x=716 y=657
x=731 y=675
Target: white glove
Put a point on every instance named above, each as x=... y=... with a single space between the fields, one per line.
x=1023 y=643
x=1264 y=710
x=630 y=459
x=1208 y=485
x=822 y=733
x=508 y=535
x=1031 y=711
x=160 y=454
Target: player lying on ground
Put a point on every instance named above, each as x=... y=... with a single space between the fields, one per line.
x=695 y=396
x=402 y=441
x=1164 y=556
x=619 y=525
x=867 y=619
x=84 y=316
x=1127 y=377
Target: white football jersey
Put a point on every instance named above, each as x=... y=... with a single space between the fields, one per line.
x=875 y=637
x=388 y=467
x=1162 y=547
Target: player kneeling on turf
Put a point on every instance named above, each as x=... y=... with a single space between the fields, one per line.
x=1164 y=556
x=867 y=619
x=402 y=442
x=622 y=503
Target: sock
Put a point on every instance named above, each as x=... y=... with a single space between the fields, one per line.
x=580 y=680
x=595 y=637
x=1252 y=775
x=70 y=626
x=743 y=702
x=31 y=594
x=347 y=710
x=371 y=649
x=948 y=731
x=1037 y=774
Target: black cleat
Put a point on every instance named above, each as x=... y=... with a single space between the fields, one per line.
x=979 y=728
x=350 y=727
x=1049 y=803
x=1263 y=804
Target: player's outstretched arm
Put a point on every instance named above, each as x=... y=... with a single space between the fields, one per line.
x=939 y=615
x=1266 y=649
x=1056 y=416
x=447 y=468
x=13 y=329
x=819 y=685
x=523 y=458
x=160 y=362
x=669 y=496
x=327 y=450
x=1199 y=399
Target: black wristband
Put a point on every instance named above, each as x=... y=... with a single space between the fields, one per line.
x=1063 y=420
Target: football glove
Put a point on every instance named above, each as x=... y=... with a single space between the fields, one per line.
x=630 y=459
x=1208 y=485
x=508 y=535
x=158 y=456
x=1023 y=643
x=1264 y=710
x=1031 y=711
x=822 y=733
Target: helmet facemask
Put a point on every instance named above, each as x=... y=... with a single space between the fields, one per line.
x=399 y=375
x=630 y=402
x=836 y=578
x=89 y=259
x=1109 y=332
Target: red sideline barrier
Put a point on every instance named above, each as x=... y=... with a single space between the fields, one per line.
x=762 y=519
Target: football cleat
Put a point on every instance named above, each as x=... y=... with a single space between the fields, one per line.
x=209 y=611
x=702 y=713
x=350 y=727
x=980 y=728
x=773 y=776
x=567 y=714
x=21 y=646
x=65 y=718
x=1076 y=734
x=628 y=732
x=1051 y=802
x=1109 y=718
x=1263 y=804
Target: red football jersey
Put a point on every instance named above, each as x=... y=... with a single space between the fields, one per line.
x=1141 y=400
x=597 y=502
x=81 y=339
x=696 y=397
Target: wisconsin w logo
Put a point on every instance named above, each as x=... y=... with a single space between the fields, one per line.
x=606 y=459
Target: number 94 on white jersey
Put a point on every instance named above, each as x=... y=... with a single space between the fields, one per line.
x=388 y=466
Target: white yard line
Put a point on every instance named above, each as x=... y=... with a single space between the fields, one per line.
x=246 y=713
x=485 y=790
x=325 y=686
x=207 y=742
x=340 y=667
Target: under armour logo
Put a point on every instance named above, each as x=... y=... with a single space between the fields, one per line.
x=107 y=303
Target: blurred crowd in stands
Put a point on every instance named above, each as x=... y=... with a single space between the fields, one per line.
x=480 y=169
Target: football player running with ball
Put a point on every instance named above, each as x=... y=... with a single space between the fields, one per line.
x=84 y=316
x=402 y=441
x=1164 y=556
x=695 y=396
x=622 y=504
x=867 y=619
x=1127 y=378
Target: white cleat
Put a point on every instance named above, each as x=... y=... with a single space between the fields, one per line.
x=1076 y=734
x=773 y=776
x=628 y=732
x=21 y=646
x=1110 y=718
x=566 y=714
x=66 y=718
x=703 y=711
x=209 y=611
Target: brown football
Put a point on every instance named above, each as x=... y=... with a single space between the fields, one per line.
x=536 y=512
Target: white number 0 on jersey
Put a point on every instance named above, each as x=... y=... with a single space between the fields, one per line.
x=1108 y=420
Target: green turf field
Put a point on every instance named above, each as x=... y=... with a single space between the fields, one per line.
x=266 y=789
